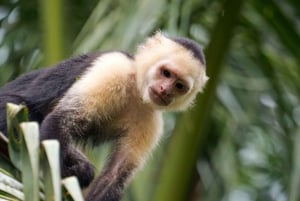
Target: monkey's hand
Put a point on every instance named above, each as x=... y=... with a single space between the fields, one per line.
x=76 y=164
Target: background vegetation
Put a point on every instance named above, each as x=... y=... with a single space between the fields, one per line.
x=240 y=141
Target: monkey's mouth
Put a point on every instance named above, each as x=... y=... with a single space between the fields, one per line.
x=157 y=98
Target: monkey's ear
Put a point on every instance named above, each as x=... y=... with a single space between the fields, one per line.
x=151 y=42
x=202 y=81
x=158 y=36
x=205 y=79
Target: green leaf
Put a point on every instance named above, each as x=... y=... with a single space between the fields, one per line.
x=294 y=187
x=6 y=164
x=10 y=187
x=8 y=168
x=50 y=165
x=72 y=189
x=15 y=115
x=30 y=160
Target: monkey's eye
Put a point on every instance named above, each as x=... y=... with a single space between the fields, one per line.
x=166 y=73
x=179 y=86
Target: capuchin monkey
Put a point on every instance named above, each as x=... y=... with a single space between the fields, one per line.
x=110 y=96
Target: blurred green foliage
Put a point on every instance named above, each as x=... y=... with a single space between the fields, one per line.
x=246 y=133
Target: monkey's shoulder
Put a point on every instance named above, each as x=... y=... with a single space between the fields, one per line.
x=104 y=88
x=108 y=74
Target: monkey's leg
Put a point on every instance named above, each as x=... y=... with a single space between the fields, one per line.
x=73 y=162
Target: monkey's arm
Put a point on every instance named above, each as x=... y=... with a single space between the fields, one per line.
x=61 y=126
x=110 y=184
x=130 y=153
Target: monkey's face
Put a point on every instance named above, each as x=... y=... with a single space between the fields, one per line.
x=165 y=85
x=169 y=86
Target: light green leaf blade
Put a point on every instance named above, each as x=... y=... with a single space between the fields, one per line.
x=15 y=115
x=10 y=188
x=30 y=160
x=6 y=165
x=72 y=189
x=51 y=170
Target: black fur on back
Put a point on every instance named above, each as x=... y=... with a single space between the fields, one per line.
x=40 y=90
x=193 y=47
